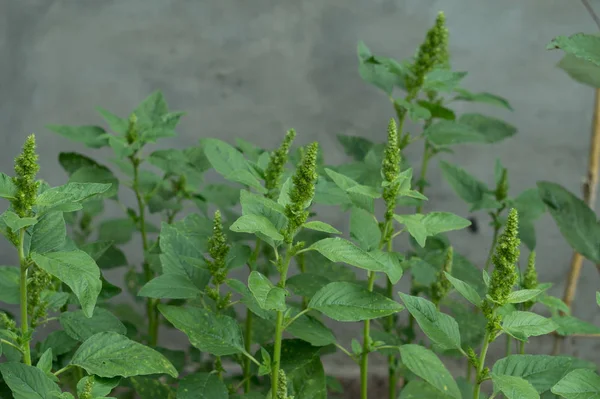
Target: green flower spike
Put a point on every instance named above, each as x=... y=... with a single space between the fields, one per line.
x=132 y=130
x=282 y=392
x=530 y=278
x=432 y=53
x=442 y=286
x=218 y=250
x=505 y=259
x=276 y=165
x=390 y=170
x=302 y=192
x=26 y=167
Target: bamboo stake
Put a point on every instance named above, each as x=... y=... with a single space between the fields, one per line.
x=589 y=196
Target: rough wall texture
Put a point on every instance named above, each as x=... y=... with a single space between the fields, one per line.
x=255 y=68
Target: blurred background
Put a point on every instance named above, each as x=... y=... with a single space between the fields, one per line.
x=253 y=69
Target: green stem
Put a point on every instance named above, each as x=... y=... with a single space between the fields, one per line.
x=23 y=299
x=248 y=326
x=67 y=367
x=522 y=347
x=508 y=345
x=302 y=265
x=484 y=349
x=364 y=361
x=424 y=166
x=469 y=369
x=3 y=341
x=279 y=326
x=151 y=309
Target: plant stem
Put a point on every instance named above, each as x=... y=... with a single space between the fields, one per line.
x=3 y=341
x=423 y=174
x=248 y=326
x=23 y=300
x=484 y=349
x=67 y=367
x=390 y=325
x=488 y=260
x=522 y=347
x=279 y=326
x=364 y=361
x=148 y=274
x=508 y=345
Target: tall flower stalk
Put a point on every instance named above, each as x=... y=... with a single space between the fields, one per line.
x=26 y=168
x=301 y=195
x=502 y=281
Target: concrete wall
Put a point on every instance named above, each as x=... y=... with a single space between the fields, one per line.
x=253 y=69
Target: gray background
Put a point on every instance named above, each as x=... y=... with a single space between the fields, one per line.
x=253 y=69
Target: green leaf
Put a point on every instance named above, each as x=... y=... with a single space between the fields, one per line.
x=256 y=224
x=202 y=386
x=60 y=343
x=355 y=146
x=28 y=382
x=579 y=384
x=447 y=133
x=219 y=335
x=15 y=222
x=150 y=388
x=340 y=250
x=117 y=124
x=49 y=233
x=9 y=285
x=464 y=185
x=569 y=325
x=521 y=296
x=441 y=328
x=7 y=187
x=64 y=197
x=101 y=387
x=514 y=387
x=522 y=325
x=91 y=136
x=266 y=294
x=373 y=72
x=253 y=204
x=109 y=354
x=483 y=97
x=308 y=381
x=414 y=111
x=425 y=364
x=360 y=195
x=80 y=327
x=468 y=292
x=541 y=371
x=311 y=330
x=77 y=270
x=170 y=286
x=575 y=220
x=344 y=301
x=228 y=161
x=154 y=119
x=45 y=361
x=442 y=80
x=580 y=70
x=97 y=175
x=365 y=229
x=417 y=389
x=492 y=129
x=580 y=45
x=120 y=231
x=422 y=226
x=303 y=284
x=182 y=247
x=321 y=226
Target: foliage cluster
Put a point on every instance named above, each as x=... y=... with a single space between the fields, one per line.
x=266 y=336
